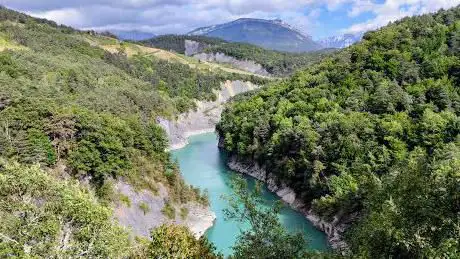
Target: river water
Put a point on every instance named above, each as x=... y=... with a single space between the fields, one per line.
x=203 y=165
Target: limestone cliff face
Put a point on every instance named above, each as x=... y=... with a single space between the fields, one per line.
x=206 y=116
x=196 y=50
x=193 y=47
x=198 y=219
x=246 y=65
x=332 y=229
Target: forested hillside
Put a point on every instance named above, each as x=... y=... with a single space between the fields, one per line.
x=370 y=134
x=177 y=42
x=275 y=62
x=77 y=115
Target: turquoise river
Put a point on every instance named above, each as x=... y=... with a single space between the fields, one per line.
x=203 y=166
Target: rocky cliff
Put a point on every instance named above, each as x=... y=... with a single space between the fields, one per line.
x=204 y=118
x=142 y=211
x=193 y=47
x=246 y=65
x=196 y=50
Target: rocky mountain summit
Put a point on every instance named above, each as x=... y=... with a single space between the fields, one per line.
x=270 y=34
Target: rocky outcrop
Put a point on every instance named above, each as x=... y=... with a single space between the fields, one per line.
x=141 y=220
x=246 y=65
x=204 y=118
x=193 y=47
x=333 y=229
x=196 y=49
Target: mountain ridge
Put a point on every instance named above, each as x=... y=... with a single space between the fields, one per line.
x=270 y=34
x=340 y=41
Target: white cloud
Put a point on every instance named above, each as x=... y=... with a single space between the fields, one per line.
x=180 y=16
x=67 y=15
x=162 y=16
x=392 y=10
x=361 y=6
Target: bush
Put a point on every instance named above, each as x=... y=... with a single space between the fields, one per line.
x=178 y=242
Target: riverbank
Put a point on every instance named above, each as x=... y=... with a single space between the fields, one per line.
x=199 y=121
x=203 y=165
x=204 y=118
x=186 y=135
x=333 y=230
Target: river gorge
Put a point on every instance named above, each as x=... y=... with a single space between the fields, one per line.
x=204 y=166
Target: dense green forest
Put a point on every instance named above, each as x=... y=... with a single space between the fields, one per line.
x=176 y=43
x=64 y=101
x=370 y=134
x=74 y=120
x=275 y=62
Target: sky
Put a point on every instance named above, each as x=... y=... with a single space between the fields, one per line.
x=318 y=18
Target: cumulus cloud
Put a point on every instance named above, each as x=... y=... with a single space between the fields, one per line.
x=181 y=16
x=160 y=16
x=392 y=10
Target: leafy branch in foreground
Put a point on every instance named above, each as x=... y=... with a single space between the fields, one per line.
x=173 y=241
x=266 y=237
x=44 y=217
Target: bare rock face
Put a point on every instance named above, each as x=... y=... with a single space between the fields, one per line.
x=287 y=195
x=199 y=219
x=193 y=47
x=142 y=220
x=204 y=118
x=246 y=65
x=132 y=216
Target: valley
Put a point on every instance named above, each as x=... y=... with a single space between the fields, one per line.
x=203 y=166
x=245 y=139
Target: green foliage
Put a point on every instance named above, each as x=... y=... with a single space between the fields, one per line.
x=10 y=15
x=186 y=84
x=177 y=42
x=345 y=134
x=124 y=199
x=68 y=102
x=414 y=212
x=266 y=237
x=178 y=242
x=168 y=210
x=183 y=213
x=44 y=217
x=275 y=62
x=38 y=144
x=144 y=207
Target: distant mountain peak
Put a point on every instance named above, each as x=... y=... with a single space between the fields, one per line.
x=341 y=41
x=271 y=34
